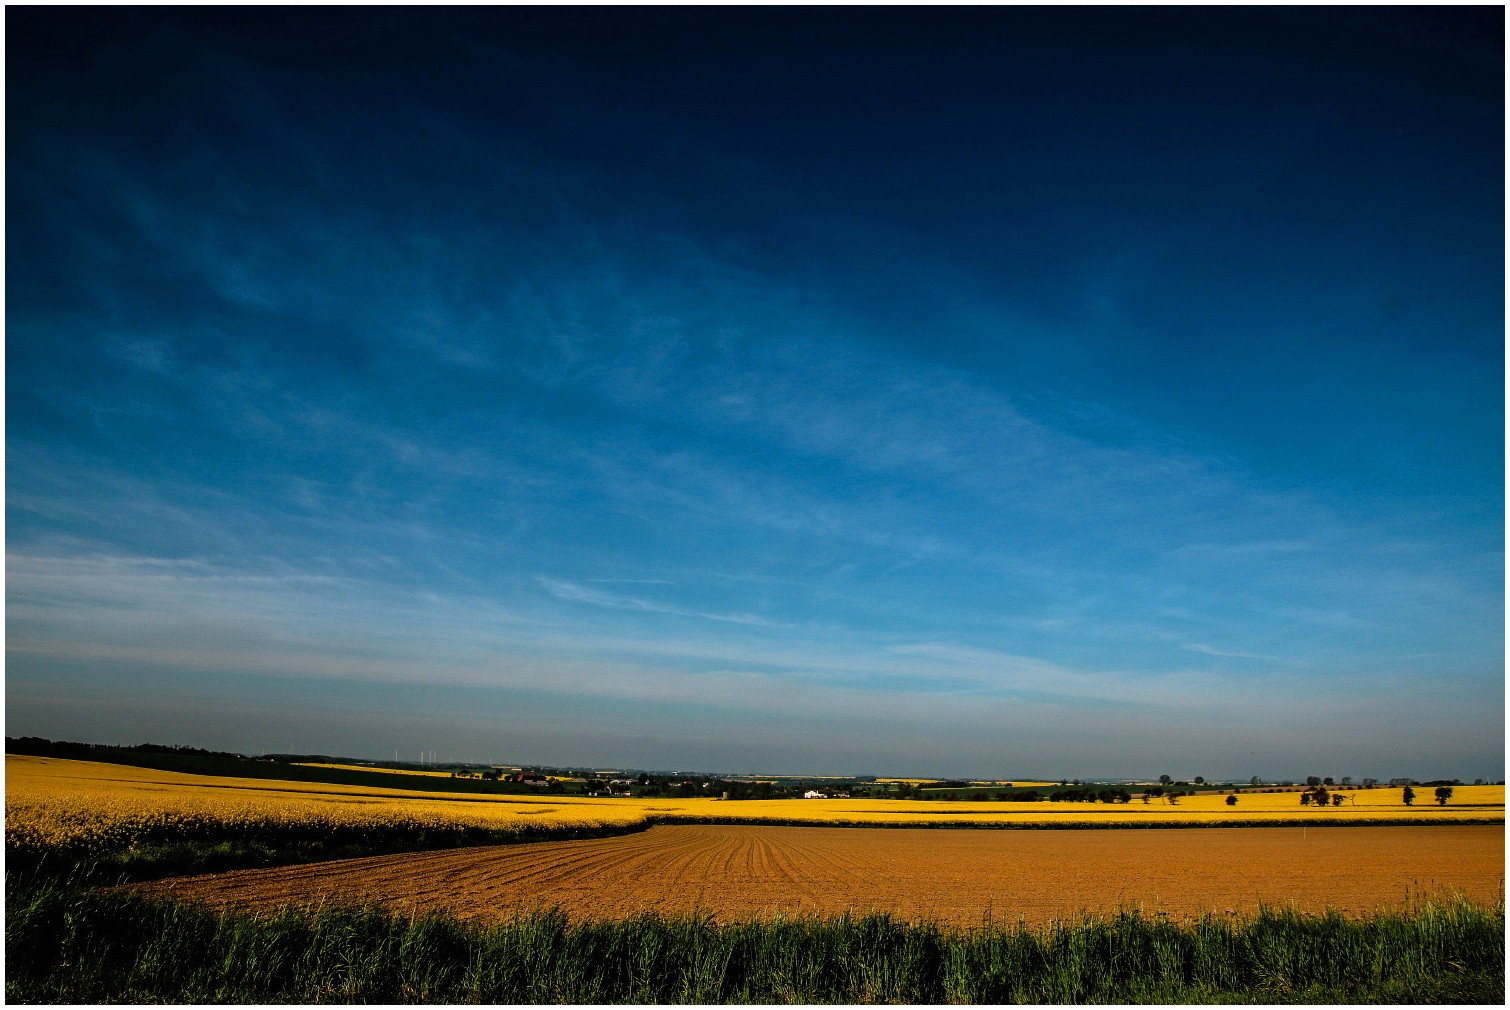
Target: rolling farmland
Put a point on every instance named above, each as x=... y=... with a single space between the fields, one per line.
x=1357 y=857
x=85 y=805
x=448 y=898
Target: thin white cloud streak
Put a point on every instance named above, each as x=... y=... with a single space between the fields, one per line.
x=1211 y=650
x=581 y=594
x=633 y=582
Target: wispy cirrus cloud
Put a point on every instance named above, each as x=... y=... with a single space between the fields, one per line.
x=1209 y=650
x=577 y=593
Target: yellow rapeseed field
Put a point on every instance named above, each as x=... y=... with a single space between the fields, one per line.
x=85 y=805
x=92 y=806
x=374 y=768
x=1373 y=805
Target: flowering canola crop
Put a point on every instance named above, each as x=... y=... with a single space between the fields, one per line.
x=427 y=772
x=91 y=807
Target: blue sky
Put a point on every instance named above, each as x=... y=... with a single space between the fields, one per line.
x=986 y=392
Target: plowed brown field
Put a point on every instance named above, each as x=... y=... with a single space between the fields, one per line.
x=958 y=876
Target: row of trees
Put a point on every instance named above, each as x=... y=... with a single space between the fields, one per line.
x=1346 y=782
x=1254 y=782
x=1318 y=796
x=1081 y=794
x=1443 y=794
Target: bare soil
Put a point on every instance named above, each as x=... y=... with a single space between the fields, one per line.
x=948 y=875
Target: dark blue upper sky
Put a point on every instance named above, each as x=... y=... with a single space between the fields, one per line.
x=993 y=391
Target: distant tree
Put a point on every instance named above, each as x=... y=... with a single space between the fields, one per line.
x=1200 y=780
x=1313 y=780
x=1321 y=797
x=1408 y=796
x=1444 y=793
x=1305 y=799
x=1337 y=799
x=1255 y=781
x=1370 y=783
x=1173 y=798
x=1327 y=781
x=1347 y=780
x=1165 y=780
x=1232 y=799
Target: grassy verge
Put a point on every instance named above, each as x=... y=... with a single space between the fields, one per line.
x=68 y=943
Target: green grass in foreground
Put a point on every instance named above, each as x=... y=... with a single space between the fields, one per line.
x=67 y=943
